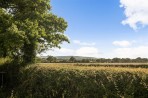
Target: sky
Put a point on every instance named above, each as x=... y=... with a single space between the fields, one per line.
x=103 y=28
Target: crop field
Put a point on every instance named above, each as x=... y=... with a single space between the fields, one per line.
x=129 y=65
x=71 y=80
x=142 y=68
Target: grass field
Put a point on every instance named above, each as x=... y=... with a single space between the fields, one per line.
x=96 y=67
x=127 y=65
x=71 y=80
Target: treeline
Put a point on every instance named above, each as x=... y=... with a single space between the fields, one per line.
x=72 y=59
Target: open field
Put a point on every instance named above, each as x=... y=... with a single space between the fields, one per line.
x=68 y=80
x=132 y=65
x=96 y=67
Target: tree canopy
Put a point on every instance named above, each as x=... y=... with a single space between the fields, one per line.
x=28 y=27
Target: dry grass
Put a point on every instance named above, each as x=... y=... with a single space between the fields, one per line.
x=73 y=66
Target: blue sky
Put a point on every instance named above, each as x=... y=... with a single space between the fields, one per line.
x=103 y=28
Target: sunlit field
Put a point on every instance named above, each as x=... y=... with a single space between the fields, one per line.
x=113 y=67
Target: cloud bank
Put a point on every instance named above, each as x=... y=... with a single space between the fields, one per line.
x=123 y=43
x=78 y=42
x=136 y=12
x=87 y=51
x=82 y=51
x=134 y=52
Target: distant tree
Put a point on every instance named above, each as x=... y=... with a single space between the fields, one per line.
x=63 y=61
x=108 y=60
x=144 y=60
x=126 y=60
x=116 y=60
x=51 y=59
x=38 y=60
x=101 y=60
x=85 y=60
x=139 y=59
x=72 y=59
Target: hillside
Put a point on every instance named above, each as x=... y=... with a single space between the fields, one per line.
x=68 y=57
x=77 y=57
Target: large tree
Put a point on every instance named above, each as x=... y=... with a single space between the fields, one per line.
x=28 y=27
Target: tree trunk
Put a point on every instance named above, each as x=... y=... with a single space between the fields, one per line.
x=29 y=53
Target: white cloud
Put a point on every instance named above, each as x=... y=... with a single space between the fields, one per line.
x=136 y=12
x=83 y=43
x=59 y=52
x=122 y=43
x=83 y=51
x=87 y=51
x=134 y=52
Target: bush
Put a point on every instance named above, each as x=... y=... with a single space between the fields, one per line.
x=4 y=60
x=9 y=77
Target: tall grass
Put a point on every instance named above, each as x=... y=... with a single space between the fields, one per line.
x=67 y=81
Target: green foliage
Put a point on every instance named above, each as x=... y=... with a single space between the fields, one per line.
x=51 y=59
x=85 y=61
x=38 y=60
x=72 y=59
x=61 y=82
x=10 y=71
x=91 y=60
x=4 y=60
x=27 y=27
x=10 y=37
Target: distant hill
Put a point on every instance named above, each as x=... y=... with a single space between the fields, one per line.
x=76 y=57
x=68 y=57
